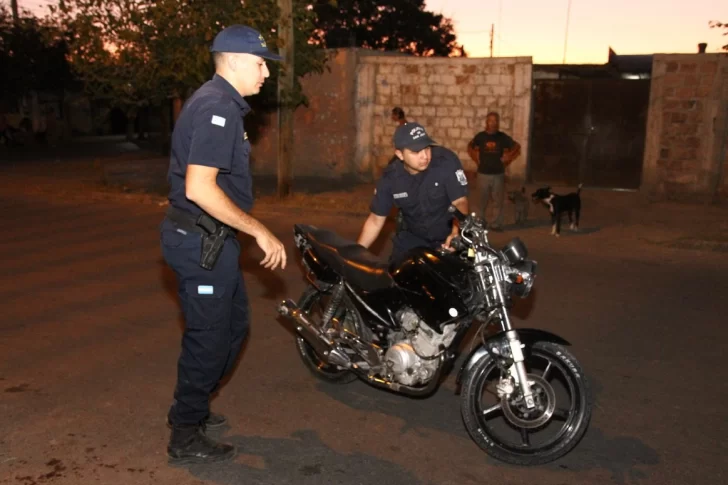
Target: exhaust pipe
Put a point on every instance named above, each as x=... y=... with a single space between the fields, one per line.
x=321 y=344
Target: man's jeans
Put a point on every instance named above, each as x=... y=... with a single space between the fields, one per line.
x=492 y=185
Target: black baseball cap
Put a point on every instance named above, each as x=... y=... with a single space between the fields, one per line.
x=412 y=136
x=241 y=39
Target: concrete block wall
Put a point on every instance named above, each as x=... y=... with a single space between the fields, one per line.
x=687 y=128
x=450 y=97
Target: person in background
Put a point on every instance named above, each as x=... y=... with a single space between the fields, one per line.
x=493 y=151
x=398 y=116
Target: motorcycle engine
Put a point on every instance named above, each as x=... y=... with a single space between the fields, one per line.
x=412 y=356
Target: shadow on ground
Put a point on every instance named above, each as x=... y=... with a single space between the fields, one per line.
x=300 y=460
x=622 y=456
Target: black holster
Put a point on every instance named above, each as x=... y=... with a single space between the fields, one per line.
x=214 y=233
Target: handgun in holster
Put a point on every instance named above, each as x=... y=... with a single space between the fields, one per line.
x=212 y=241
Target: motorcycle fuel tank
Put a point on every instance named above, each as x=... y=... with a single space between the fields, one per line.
x=434 y=285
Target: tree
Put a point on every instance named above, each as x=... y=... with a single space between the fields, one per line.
x=720 y=25
x=135 y=52
x=392 y=25
x=32 y=57
x=110 y=54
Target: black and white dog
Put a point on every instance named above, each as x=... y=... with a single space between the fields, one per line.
x=558 y=204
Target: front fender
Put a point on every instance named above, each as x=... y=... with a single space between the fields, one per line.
x=528 y=336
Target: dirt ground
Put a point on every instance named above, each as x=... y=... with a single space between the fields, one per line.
x=630 y=214
x=89 y=337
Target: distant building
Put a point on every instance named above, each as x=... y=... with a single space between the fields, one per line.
x=617 y=67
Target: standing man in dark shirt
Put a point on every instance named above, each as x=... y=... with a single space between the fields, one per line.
x=211 y=188
x=495 y=150
x=423 y=183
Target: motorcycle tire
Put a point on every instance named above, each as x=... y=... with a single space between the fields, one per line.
x=576 y=418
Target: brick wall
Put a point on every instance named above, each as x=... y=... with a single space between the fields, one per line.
x=687 y=126
x=325 y=130
x=450 y=97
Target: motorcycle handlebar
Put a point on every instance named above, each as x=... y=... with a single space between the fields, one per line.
x=457 y=244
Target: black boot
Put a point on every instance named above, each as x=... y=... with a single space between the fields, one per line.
x=188 y=444
x=213 y=421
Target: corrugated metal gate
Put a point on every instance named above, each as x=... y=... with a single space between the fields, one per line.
x=589 y=131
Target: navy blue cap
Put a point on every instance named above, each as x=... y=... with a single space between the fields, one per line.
x=412 y=136
x=242 y=39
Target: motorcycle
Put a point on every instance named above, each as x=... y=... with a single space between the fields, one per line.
x=525 y=399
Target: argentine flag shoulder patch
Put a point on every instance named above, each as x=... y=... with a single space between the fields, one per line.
x=205 y=290
x=218 y=120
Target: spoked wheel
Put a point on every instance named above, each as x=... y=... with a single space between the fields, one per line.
x=313 y=303
x=505 y=428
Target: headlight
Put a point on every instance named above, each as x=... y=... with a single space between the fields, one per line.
x=515 y=251
x=522 y=278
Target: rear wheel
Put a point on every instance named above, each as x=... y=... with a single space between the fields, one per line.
x=509 y=431
x=313 y=303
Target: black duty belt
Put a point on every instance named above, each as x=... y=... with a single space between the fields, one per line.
x=195 y=223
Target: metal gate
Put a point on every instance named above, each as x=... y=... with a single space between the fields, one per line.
x=589 y=131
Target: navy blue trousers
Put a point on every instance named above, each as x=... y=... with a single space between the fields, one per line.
x=216 y=313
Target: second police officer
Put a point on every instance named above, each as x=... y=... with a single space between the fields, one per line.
x=426 y=180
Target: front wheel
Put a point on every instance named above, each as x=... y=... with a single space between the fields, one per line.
x=506 y=429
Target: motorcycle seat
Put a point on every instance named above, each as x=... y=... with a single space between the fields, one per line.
x=359 y=266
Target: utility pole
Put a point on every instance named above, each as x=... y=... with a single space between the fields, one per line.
x=492 y=29
x=566 y=32
x=285 y=88
x=14 y=8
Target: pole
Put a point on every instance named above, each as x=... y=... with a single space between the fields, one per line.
x=491 y=39
x=285 y=88
x=14 y=8
x=566 y=31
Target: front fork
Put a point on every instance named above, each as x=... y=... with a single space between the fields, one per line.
x=518 y=369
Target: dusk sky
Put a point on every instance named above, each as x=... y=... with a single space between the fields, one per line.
x=536 y=27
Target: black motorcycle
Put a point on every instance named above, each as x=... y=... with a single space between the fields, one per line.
x=524 y=398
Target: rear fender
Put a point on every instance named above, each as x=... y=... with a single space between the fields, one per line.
x=317 y=272
x=528 y=337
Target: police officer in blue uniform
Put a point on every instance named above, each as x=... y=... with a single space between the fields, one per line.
x=423 y=184
x=209 y=200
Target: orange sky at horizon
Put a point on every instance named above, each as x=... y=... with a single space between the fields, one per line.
x=536 y=28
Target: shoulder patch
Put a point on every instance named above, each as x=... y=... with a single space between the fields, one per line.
x=218 y=120
x=401 y=195
x=460 y=174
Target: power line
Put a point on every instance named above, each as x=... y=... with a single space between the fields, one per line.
x=474 y=31
x=566 y=30
x=500 y=24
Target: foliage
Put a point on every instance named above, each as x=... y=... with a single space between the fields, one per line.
x=392 y=25
x=136 y=52
x=32 y=56
x=720 y=25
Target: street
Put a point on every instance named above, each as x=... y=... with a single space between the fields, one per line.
x=90 y=332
